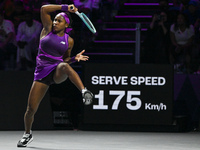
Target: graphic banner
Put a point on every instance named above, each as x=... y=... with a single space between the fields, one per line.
x=129 y=94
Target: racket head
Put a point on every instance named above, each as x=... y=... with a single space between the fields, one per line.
x=88 y=23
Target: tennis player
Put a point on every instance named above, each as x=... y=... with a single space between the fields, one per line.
x=53 y=63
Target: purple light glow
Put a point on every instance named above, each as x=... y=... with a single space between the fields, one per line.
x=143 y=4
x=148 y=16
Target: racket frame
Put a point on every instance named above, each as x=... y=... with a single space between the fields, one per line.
x=90 y=26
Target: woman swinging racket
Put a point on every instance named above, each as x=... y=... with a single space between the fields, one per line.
x=53 y=63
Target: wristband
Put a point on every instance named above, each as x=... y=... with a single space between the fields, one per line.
x=73 y=59
x=64 y=7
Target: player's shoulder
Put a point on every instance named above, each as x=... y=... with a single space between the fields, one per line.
x=70 y=39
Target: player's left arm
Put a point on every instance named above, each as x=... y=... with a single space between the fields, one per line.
x=67 y=56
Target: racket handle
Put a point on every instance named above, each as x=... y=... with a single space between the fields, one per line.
x=76 y=12
x=71 y=7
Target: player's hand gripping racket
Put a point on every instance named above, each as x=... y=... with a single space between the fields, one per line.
x=86 y=20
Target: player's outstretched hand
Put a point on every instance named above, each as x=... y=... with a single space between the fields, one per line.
x=79 y=56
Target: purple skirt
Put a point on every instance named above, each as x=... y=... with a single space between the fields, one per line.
x=45 y=65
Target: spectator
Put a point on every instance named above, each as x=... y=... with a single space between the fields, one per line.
x=184 y=5
x=18 y=15
x=182 y=35
x=176 y=5
x=109 y=9
x=174 y=10
x=96 y=10
x=164 y=5
x=155 y=45
x=7 y=43
x=8 y=6
x=84 y=6
x=193 y=13
x=80 y=30
x=35 y=6
x=27 y=41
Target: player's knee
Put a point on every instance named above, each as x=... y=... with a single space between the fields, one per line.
x=66 y=68
x=30 y=111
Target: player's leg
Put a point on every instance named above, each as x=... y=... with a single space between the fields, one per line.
x=37 y=92
x=63 y=71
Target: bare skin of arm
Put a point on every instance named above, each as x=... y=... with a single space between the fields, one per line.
x=78 y=57
x=46 y=17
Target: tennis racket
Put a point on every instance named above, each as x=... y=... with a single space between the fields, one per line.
x=86 y=20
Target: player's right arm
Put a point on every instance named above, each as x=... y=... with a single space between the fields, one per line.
x=46 y=18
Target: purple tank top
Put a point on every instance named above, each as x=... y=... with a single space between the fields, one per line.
x=50 y=54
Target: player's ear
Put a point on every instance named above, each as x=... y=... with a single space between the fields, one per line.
x=66 y=25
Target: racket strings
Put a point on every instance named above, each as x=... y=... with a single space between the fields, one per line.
x=88 y=22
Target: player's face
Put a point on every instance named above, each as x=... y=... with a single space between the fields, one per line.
x=59 y=23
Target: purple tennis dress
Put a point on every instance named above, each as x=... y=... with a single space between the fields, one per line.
x=51 y=50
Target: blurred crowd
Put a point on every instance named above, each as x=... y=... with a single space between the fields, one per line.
x=173 y=36
x=20 y=27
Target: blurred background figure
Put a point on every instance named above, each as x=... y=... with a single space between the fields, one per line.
x=155 y=45
x=96 y=14
x=174 y=10
x=193 y=12
x=182 y=36
x=27 y=42
x=81 y=33
x=184 y=5
x=84 y=6
x=17 y=15
x=164 y=5
x=109 y=9
x=9 y=7
x=35 y=5
x=7 y=43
